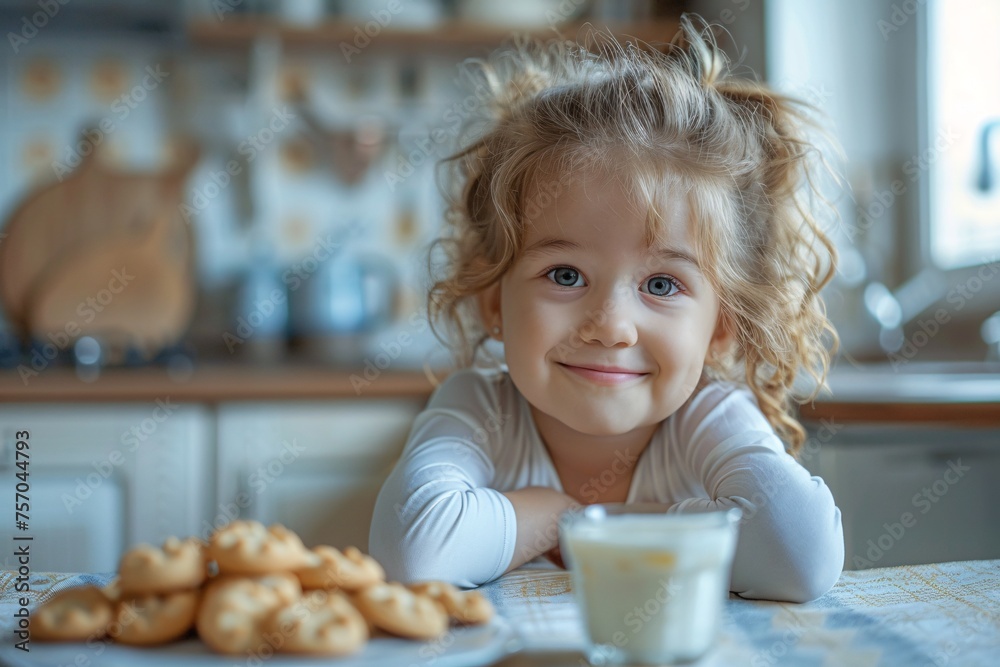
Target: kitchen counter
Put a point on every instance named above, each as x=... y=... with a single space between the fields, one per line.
x=953 y=393
x=960 y=394
x=213 y=383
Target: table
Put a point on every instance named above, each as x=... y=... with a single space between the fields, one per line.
x=933 y=615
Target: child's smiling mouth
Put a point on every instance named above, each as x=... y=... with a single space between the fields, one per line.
x=604 y=375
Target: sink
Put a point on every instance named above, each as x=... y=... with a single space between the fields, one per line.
x=915 y=381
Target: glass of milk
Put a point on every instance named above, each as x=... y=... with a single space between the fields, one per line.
x=650 y=585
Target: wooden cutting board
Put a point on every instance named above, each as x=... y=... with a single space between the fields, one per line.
x=116 y=216
x=127 y=292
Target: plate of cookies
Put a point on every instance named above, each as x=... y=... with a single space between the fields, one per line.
x=254 y=594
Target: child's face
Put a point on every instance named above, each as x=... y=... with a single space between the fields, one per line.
x=608 y=301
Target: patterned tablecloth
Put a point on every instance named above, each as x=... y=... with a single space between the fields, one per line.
x=933 y=615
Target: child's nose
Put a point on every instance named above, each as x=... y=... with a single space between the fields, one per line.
x=610 y=321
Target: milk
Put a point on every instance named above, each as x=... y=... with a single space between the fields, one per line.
x=650 y=585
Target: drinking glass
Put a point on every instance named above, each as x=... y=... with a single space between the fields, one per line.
x=650 y=585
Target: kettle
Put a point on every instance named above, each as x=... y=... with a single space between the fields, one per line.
x=347 y=300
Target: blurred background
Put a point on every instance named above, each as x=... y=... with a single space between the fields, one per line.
x=287 y=134
x=215 y=218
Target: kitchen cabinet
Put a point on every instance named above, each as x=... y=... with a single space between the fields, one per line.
x=315 y=467
x=911 y=493
x=103 y=477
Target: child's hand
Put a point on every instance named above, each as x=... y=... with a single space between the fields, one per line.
x=555 y=555
x=538 y=509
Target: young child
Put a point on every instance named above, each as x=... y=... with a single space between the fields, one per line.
x=629 y=224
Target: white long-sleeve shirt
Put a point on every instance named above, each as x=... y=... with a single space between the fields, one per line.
x=441 y=513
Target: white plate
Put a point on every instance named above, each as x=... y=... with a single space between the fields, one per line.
x=459 y=647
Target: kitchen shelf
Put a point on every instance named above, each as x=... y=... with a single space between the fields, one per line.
x=241 y=31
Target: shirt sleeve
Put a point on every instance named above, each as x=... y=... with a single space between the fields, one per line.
x=791 y=540
x=436 y=517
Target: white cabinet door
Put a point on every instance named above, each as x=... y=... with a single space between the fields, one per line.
x=914 y=495
x=103 y=478
x=315 y=467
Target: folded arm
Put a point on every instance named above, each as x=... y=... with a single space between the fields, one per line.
x=435 y=518
x=791 y=543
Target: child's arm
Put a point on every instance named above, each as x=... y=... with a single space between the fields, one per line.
x=537 y=509
x=791 y=544
x=436 y=517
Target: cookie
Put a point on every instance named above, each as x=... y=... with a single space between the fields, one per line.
x=73 y=614
x=112 y=590
x=152 y=619
x=349 y=570
x=284 y=584
x=231 y=613
x=397 y=610
x=176 y=566
x=467 y=607
x=248 y=547
x=321 y=623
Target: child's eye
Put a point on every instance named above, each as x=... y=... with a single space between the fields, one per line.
x=565 y=276
x=660 y=285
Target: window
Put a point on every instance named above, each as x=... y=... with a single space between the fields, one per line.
x=962 y=132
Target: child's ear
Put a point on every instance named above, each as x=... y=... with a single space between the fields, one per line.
x=723 y=337
x=489 y=307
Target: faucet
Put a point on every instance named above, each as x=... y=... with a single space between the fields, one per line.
x=893 y=310
x=990 y=331
x=985 y=180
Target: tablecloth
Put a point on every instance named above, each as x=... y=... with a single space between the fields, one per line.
x=933 y=615
x=940 y=614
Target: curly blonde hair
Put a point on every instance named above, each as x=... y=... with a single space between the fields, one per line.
x=663 y=119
